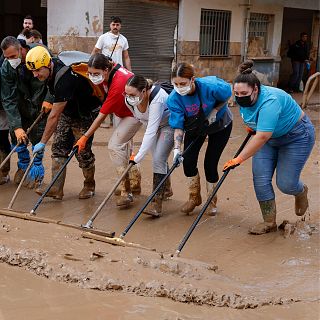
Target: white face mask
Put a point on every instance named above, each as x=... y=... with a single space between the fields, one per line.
x=131 y=101
x=98 y=79
x=14 y=62
x=183 y=90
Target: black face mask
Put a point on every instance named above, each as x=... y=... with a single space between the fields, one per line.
x=244 y=101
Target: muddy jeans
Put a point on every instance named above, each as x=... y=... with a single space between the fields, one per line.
x=119 y=143
x=68 y=131
x=288 y=154
x=161 y=150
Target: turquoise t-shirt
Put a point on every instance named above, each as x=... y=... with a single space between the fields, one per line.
x=274 y=111
x=211 y=90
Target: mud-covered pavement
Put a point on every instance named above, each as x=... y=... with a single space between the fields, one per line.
x=221 y=266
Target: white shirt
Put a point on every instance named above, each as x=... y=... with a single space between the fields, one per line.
x=156 y=115
x=106 y=43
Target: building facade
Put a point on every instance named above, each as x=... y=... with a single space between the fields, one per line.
x=213 y=35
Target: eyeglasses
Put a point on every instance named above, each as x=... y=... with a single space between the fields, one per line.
x=127 y=95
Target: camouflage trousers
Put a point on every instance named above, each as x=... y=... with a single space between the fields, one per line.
x=68 y=131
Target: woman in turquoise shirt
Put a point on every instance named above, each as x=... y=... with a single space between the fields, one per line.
x=283 y=139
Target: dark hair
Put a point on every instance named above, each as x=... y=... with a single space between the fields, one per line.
x=28 y=16
x=11 y=41
x=183 y=70
x=139 y=82
x=303 y=34
x=246 y=76
x=27 y=33
x=115 y=19
x=35 y=33
x=100 y=61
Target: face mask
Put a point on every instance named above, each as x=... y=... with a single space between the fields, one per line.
x=244 y=101
x=15 y=62
x=183 y=90
x=132 y=101
x=98 y=79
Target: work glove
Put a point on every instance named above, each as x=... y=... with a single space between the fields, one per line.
x=39 y=147
x=21 y=136
x=131 y=160
x=46 y=106
x=81 y=143
x=249 y=130
x=177 y=156
x=231 y=164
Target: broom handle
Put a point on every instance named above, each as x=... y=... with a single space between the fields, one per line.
x=204 y=208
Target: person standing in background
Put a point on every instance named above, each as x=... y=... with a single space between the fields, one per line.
x=114 y=45
x=299 y=53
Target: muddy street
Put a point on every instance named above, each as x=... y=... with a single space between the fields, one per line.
x=49 y=269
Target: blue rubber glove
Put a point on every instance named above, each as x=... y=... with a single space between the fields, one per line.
x=39 y=147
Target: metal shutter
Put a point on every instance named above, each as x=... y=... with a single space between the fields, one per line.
x=149 y=28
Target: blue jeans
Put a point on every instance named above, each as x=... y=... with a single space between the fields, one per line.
x=288 y=154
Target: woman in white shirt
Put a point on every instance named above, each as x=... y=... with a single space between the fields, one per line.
x=147 y=103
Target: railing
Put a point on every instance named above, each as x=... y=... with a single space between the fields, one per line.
x=309 y=89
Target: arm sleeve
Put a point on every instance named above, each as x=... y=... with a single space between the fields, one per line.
x=99 y=43
x=268 y=116
x=155 y=116
x=9 y=96
x=126 y=44
x=222 y=91
x=176 y=118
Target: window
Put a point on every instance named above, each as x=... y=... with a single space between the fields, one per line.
x=214 y=33
x=259 y=34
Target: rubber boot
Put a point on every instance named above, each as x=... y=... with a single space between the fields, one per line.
x=125 y=198
x=56 y=191
x=135 y=180
x=268 y=210
x=89 y=184
x=4 y=171
x=194 y=194
x=168 y=193
x=212 y=208
x=23 y=162
x=155 y=207
x=301 y=202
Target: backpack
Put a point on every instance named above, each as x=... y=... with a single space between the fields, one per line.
x=165 y=85
x=78 y=62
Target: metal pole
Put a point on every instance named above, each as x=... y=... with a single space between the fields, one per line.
x=137 y=215
x=21 y=182
x=18 y=144
x=88 y=225
x=204 y=208
x=74 y=150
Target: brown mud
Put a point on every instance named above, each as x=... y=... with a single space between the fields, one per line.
x=221 y=265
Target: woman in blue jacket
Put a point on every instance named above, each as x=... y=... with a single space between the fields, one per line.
x=193 y=102
x=283 y=140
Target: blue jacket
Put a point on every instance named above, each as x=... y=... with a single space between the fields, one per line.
x=211 y=89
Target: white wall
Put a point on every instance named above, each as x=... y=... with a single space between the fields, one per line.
x=79 y=17
x=190 y=12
